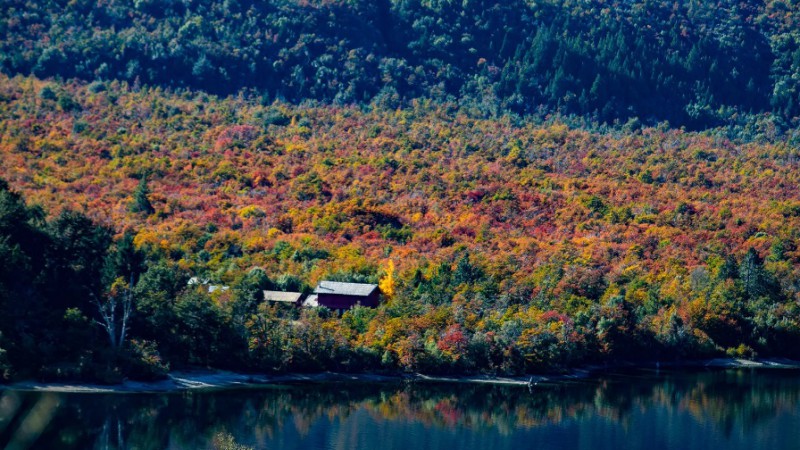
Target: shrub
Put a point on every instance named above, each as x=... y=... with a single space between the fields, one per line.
x=143 y=362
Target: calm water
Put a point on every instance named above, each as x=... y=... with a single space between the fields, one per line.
x=737 y=409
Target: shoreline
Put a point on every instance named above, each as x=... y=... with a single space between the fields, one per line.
x=208 y=380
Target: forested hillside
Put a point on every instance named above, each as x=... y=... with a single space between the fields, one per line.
x=697 y=64
x=503 y=245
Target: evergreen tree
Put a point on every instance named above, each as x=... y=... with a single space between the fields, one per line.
x=756 y=281
x=141 y=202
x=466 y=272
x=729 y=268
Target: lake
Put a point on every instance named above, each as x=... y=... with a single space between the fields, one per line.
x=721 y=409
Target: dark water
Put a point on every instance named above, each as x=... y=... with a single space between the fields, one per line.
x=736 y=409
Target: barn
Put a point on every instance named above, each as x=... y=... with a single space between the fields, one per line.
x=343 y=296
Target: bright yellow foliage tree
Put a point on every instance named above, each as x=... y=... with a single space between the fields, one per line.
x=386 y=284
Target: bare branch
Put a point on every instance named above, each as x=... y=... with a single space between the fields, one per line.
x=116 y=327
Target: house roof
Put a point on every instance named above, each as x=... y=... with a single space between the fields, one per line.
x=196 y=280
x=278 y=296
x=339 y=288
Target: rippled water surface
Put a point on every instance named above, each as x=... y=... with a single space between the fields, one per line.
x=735 y=409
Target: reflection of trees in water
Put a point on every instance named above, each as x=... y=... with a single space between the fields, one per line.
x=738 y=399
x=730 y=401
x=726 y=400
x=111 y=436
x=191 y=419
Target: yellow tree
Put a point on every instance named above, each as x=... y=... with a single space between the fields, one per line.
x=386 y=284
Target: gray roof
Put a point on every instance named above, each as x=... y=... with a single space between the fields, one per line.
x=339 y=288
x=278 y=296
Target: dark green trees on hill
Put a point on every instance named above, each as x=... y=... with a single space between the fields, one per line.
x=52 y=276
x=696 y=64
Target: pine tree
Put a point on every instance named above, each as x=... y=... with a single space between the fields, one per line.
x=756 y=280
x=466 y=272
x=141 y=203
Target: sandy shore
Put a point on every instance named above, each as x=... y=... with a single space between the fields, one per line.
x=215 y=380
x=195 y=380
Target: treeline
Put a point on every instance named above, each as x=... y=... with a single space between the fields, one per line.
x=695 y=64
x=52 y=273
x=60 y=276
x=64 y=284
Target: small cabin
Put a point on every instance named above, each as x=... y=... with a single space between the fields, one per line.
x=285 y=298
x=340 y=296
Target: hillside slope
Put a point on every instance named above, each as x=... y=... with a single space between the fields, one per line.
x=514 y=245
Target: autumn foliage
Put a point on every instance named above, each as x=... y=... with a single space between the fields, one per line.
x=504 y=245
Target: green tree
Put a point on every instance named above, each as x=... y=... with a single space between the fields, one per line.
x=248 y=293
x=154 y=318
x=203 y=331
x=141 y=202
x=757 y=282
x=466 y=272
x=76 y=261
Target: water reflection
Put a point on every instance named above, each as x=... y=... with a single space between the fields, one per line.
x=730 y=409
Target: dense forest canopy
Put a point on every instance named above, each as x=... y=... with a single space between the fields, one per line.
x=503 y=245
x=693 y=63
x=425 y=145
